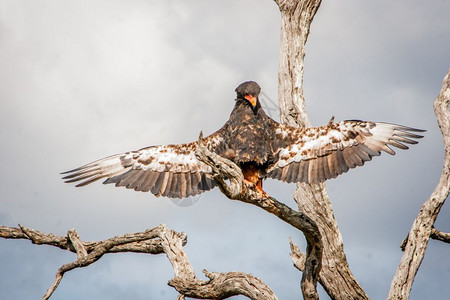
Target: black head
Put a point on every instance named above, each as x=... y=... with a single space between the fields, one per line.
x=248 y=90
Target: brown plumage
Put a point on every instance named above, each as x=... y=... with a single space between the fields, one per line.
x=260 y=146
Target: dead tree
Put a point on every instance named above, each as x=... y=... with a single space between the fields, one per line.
x=324 y=260
x=152 y=241
x=422 y=229
x=312 y=199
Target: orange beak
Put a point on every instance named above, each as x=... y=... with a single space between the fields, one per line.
x=251 y=99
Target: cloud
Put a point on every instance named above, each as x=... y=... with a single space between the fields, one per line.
x=83 y=80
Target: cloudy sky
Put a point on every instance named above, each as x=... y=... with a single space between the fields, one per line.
x=85 y=79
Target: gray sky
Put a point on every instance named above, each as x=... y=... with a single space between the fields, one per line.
x=85 y=79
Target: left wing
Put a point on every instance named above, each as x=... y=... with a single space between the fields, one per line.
x=314 y=155
x=166 y=170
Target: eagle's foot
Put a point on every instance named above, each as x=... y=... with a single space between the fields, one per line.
x=262 y=194
x=249 y=183
x=258 y=187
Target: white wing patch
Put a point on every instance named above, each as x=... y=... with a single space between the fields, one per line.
x=165 y=170
x=173 y=158
x=324 y=152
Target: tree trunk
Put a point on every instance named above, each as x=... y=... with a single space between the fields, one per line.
x=312 y=199
x=417 y=240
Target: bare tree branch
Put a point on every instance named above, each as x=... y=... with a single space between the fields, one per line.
x=223 y=169
x=313 y=200
x=422 y=227
x=435 y=234
x=154 y=241
x=77 y=243
x=297 y=256
x=439 y=235
x=223 y=285
x=296 y=19
x=324 y=259
x=219 y=285
x=84 y=258
x=40 y=238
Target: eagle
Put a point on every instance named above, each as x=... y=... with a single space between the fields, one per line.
x=260 y=146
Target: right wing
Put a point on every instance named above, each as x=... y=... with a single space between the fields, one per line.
x=313 y=155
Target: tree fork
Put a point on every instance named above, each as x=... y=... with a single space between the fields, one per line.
x=223 y=169
x=152 y=241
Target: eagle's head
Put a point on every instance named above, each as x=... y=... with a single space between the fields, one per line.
x=249 y=90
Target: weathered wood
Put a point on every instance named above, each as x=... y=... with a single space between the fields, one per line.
x=223 y=168
x=87 y=252
x=315 y=216
x=219 y=285
x=153 y=241
x=313 y=200
x=223 y=285
x=146 y=245
x=439 y=235
x=422 y=228
x=77 y=243
x=296 y=19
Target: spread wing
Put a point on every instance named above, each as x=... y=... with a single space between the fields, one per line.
x=314 y=155
x=166 y=170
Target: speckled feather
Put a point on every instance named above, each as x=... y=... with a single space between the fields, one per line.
x=256 y=143
x=316 y=154
x=164 y=170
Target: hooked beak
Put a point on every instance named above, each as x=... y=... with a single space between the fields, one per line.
x=251 y=99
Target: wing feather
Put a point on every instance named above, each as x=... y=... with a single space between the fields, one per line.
x=172 y=189
x=313 y=170
x=293 y=173
x=195 y=180
x=363 y=155
x=165 y=185
x=316 y=154
x=165 y=170
x=304 y=167
x=189 y=190
x=276 y=173
x=183 y=185
x=131 y=177
x=319 y=169
x=350 y=157
x=158 y=183
x=332 y=164
x=139 y=185
x=326 y=168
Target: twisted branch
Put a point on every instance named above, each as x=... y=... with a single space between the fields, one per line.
x=153 y=241
x=224 y=169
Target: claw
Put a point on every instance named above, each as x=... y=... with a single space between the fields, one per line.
x=248 y=183
x=252 y=180
x=258 y=186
